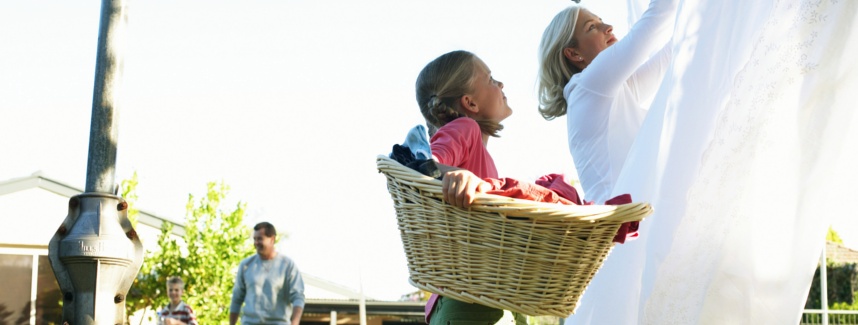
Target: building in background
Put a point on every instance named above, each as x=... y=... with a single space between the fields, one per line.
x=33 y=207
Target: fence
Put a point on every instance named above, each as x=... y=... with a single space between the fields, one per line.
x=827 y=316
x=839 y=317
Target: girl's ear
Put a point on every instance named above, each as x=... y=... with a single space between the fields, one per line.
x=468 y=105
x=572 y=55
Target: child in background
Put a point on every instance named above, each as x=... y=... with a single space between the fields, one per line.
x=176 y=312
x=463 y=106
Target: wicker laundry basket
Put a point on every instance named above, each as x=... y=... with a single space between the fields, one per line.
x=524 y=256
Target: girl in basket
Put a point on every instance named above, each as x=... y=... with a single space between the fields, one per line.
x=463 y=107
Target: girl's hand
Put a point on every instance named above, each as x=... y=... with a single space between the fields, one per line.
x=460 y=185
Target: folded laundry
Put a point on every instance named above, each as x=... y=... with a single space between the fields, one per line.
x=551 y=188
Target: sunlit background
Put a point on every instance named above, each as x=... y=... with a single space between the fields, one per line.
x=288 y=102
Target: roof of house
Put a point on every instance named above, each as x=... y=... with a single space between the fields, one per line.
x=327 y=290
x=835 y=252
x=320 y=292
x=40 y=181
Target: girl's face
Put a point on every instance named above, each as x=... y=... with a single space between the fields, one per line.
x=593 y=36
x=487 y=95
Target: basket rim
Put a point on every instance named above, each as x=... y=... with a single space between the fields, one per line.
x=508 y=206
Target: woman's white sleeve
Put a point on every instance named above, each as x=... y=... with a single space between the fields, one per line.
x=616 y=64
x=647 y=79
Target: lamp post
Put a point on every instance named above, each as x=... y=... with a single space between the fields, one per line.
x=96 y=253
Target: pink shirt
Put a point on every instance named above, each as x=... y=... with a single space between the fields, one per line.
x=460 y=144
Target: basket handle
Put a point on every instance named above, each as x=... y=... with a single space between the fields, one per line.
x=512 y=207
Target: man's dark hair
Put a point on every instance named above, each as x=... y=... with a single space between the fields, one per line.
x=269 y=228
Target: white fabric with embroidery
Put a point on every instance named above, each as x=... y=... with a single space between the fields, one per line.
x=745 y=153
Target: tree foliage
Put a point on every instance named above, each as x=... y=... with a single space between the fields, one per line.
x=842 y=283
x=129 y=193
x=833 y=237
x=419 y=295
x=544 y=320
x=214 y=243
x=841 y=280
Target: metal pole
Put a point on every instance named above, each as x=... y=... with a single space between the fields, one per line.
x=96 y=253
x=362 y=301
x=823 y=279
x=362 y=307
x=100 y=169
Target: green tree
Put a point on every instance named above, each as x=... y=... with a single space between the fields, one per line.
x=214 y=243
x=543 y=320
x=833 y=237
x=128 y=188
x=842 y=281
x=419 y=295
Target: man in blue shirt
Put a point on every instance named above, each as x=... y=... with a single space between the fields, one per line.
x=268 y=284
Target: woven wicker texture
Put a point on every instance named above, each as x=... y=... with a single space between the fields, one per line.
x=524 y=256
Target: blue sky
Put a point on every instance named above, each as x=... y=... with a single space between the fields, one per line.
x=288 y=102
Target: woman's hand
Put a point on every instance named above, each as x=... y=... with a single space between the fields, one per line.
x=460 y=185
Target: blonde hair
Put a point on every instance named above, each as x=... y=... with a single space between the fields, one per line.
x=175 y=280
x=554 y=69
x=441 y=84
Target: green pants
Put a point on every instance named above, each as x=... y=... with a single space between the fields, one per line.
x=449 y=311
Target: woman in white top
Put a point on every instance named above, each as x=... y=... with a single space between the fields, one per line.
x=603 y=86
x=746 y=151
